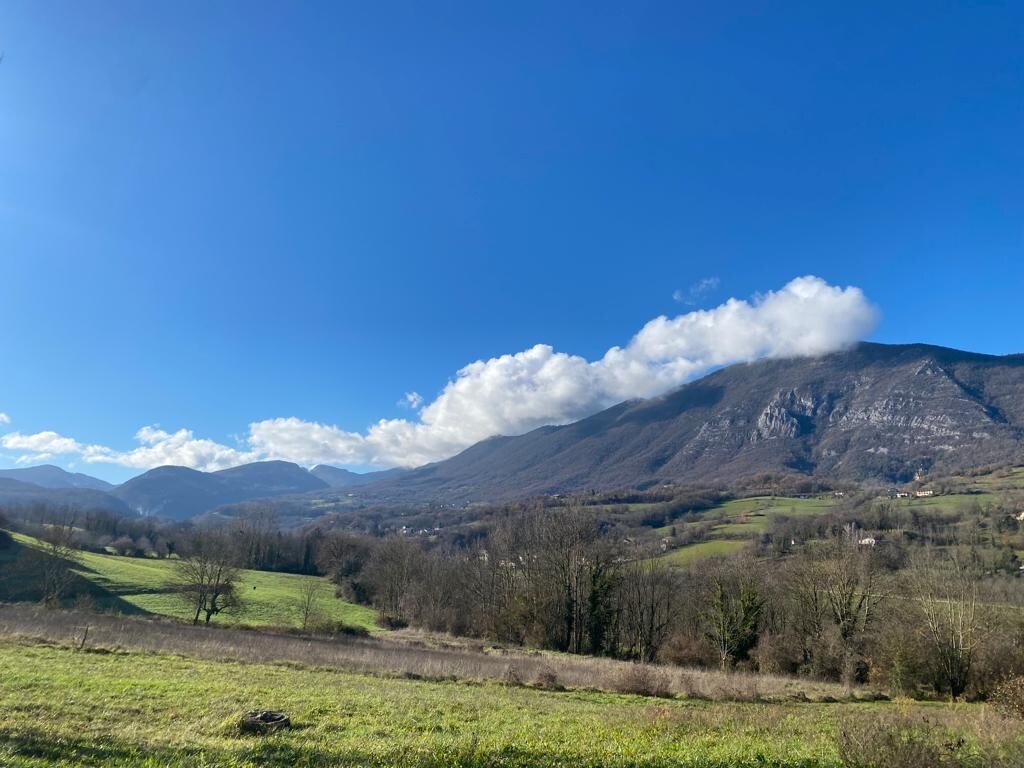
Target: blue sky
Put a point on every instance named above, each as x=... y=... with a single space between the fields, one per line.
x=215 y=214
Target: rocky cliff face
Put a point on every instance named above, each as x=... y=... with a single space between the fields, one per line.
x=872 y=413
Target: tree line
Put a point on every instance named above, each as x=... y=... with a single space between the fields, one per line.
x=916 y=617
x=936 y=605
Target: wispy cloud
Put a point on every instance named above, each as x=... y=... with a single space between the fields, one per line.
x=411 y=400
x=4 y=418
x=517 y=392
x=702 y=287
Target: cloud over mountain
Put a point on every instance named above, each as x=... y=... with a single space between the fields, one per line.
x=515 y=393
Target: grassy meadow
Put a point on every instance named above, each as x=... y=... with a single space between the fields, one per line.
x=703 y=550
x=140 y=585
x=742 y=519
x=69 y=708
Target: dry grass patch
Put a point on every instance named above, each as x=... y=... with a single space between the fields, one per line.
x=411 y=657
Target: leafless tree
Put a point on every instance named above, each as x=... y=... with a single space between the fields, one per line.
x=733 y=609
x=309 y=603
x=206 y=577
x=390 y=572
x=47 y=568
x=946 y=591
x=648 y=607
x=839 y=584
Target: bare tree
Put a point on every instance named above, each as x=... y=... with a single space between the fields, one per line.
x=946 y=592
x=648 y=607
x=390 y=571
x=733 y=610
x=207 y=576
x=309 y=602
x=842 y=582
x=851 y=593
x=343 y=557
x=47 y=567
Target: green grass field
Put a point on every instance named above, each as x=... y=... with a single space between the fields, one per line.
x=120 y=710
x=1012 y=477
x=746 y=518
x=694 y=553
x=950 y=502
x=137 y=584
x=775 y=505
x=114 y=710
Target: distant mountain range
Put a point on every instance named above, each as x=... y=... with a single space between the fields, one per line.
x=873 y=413
x=54 y=486
x=344 y=478
x=175 y=492
x=179 y=493
x=49 y=476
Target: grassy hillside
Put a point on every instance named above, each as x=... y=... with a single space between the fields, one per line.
x=694 y=553
x=1007 y=478
x=741 y=519
x=140 y=585
x=118 y=710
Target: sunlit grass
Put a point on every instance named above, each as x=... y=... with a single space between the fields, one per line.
x=694 y=553
x=268 y=598
x=67 y=708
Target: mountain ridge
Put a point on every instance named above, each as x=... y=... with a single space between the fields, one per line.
x=872 y=413
x=869 y=413
x=181 y=492
x=50 y=476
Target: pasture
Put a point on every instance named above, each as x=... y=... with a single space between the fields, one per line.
x=141 y=585
x=740 y=520
x=126 y=709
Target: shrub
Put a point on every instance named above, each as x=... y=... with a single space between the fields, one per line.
x=1001 y=656
x=341 y=628
x=513 y=675
x=546 y=678
x=777 y=654
x=686 y=650
x=1008 y=697
x=643 y=680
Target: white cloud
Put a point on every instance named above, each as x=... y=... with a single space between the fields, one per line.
x=515 y=393
x=4 y=418
x=411 y=400
x=695 y=291
x=49 y=443
x=156 y=448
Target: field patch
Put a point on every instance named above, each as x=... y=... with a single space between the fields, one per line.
x=694 y=553
x=139 y=710
x=141 y=584
x=118 y=710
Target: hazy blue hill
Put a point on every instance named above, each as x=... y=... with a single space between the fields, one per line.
x=271 y=478
x=179 y=492
x=17 y=486
x=344 y=478
x=49 y=476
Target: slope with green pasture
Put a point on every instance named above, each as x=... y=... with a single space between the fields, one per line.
x=743 y=519
x=268 y=599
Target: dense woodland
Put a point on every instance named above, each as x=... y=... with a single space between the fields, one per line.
x=923 y=602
